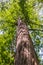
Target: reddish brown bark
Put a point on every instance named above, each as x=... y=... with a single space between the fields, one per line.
x=25 y=53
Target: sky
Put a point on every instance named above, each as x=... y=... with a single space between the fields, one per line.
x=3 y=0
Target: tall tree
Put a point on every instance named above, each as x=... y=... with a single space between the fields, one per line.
x=25 y=53
x=31 y=11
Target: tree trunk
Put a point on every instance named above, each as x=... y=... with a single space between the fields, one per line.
x=25 y=53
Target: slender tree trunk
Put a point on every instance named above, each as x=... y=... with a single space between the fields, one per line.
x=25 y=53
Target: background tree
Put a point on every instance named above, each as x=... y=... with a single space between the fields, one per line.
x=9 y=13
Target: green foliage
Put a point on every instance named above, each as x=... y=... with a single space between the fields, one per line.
x=9 y=13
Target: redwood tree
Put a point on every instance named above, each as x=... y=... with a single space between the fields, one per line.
x=25 y=53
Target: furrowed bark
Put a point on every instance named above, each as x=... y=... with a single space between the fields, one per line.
x=25 y=53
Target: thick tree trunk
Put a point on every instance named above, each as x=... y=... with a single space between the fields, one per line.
x=25 y=53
